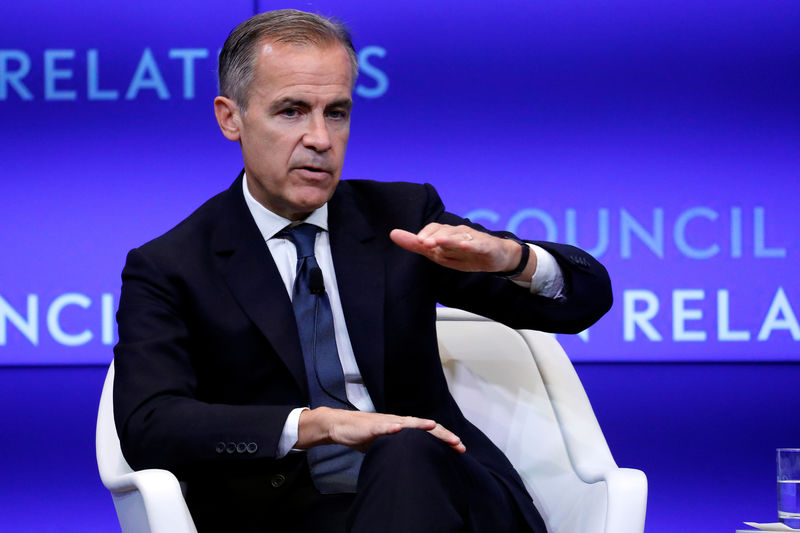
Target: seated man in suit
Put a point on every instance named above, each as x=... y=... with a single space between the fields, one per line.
x=277 y=349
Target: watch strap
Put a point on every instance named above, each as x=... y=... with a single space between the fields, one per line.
x=523 y=261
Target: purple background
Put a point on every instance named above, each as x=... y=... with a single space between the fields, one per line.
x=505 y=107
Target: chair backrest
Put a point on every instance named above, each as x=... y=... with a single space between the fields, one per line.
x=110 y=461
x=494 y=374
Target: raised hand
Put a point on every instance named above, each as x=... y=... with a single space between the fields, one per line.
x=464 y=248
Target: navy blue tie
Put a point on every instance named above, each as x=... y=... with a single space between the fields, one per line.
x=334 y=468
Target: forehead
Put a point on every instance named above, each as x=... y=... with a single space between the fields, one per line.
x=283 y=68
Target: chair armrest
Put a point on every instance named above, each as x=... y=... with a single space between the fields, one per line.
x=151 y=500
x=152 y=481
x=627 y=500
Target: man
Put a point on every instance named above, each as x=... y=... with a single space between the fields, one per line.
x=319 y=403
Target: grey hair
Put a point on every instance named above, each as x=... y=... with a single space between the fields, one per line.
x=238 y=58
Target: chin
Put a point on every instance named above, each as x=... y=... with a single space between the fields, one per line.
x=315 y=200
x=302 y=209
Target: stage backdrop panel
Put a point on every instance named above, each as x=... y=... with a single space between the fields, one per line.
x=662 y=137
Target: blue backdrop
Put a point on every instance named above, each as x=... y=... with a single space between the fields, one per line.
x=663 y=138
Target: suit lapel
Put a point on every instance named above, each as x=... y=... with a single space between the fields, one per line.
x=242 y=254
x=360 y=274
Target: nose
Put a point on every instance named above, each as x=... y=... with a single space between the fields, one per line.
x=317 y=137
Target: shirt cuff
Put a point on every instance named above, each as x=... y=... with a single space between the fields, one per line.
x=547 y=280
x=289 y=433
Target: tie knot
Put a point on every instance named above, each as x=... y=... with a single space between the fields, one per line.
x=303 y=237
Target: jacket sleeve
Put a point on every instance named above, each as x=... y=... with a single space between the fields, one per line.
x=160 y=419
x=587 y=287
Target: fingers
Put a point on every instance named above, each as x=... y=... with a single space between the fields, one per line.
x=448 y=437
x=448 y=236
x=407 y=240
x=411 y=422
x=458 y=247
x=440 y=238
x=437 y=430
x=358 y=429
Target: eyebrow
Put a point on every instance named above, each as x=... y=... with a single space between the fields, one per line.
x=277 y=105
x=346 y=103
x=287 y=102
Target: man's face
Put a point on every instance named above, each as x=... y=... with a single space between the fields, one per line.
x=295 y=130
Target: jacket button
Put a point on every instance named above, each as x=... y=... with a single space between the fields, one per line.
x=252 y=447
x=277 y=480
x=220 y=447
x=241 y=447
x=231 y=447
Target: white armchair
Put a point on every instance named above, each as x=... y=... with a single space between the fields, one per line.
x=517 y=386
x=147 y=501
x=520 y=389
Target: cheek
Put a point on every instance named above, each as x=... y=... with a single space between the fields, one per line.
x=272 y=155
x=341 y=143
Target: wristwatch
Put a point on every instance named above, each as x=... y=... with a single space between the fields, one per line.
x=523 y=260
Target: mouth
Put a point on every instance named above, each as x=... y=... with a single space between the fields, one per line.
x=314 y=171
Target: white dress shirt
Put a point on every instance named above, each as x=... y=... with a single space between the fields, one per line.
x=547 y=281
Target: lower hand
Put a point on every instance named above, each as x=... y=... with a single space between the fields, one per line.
x=358 y=429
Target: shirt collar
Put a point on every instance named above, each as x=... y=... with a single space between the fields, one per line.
x=270 y=223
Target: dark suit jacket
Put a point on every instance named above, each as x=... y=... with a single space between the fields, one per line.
x=208 y=364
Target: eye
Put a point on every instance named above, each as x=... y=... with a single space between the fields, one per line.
x=290 y=112
x=337 y=114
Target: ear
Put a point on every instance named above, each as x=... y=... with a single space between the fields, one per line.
x=228 y=117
